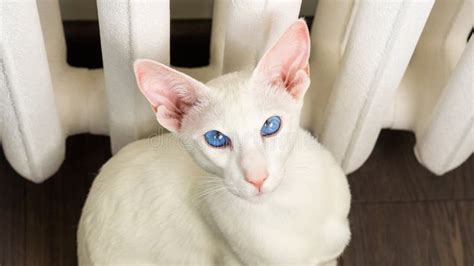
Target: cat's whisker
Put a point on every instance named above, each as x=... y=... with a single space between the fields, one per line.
x=212 y=193
x=205 y=192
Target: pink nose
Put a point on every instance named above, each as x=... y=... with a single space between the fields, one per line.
x=257 y=181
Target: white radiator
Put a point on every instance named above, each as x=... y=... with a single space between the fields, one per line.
x=374 y=64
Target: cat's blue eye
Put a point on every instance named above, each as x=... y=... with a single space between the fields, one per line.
x=216 y=139
x=271 y=126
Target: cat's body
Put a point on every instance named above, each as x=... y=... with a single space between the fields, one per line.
x=243 y=185
x=152 y=213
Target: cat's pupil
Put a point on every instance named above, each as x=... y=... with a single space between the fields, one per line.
x=271 y=126
x=216 y=139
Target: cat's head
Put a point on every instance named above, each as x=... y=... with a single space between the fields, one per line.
x=241 y=126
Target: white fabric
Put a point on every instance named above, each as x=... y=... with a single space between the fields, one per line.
x=30 y=131
x=79 y=92
x=374 y=65
x=130 y=30
x=429 y=95
x=448 y=139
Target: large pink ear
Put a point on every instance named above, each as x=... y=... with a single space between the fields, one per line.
x=171 y=93
x=286 y=63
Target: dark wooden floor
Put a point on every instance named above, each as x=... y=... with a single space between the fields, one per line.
x=401 y=215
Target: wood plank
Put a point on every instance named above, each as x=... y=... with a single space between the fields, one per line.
x=392 y=173
x=12 y=215
x=426 y=233
x=53 y=208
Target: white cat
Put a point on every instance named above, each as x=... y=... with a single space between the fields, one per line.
x=237 y=182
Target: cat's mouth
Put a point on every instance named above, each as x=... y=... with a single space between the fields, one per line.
x=258 y=198
x=250 y=193
x=243 y=193
x=255 y=198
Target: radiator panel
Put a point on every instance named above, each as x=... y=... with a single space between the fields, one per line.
x=401 y=65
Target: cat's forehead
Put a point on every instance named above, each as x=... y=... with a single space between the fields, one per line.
x=236 y=106
x=229 y=85
x=236 y=94
x=238 y=89
x=236 y=101
x=230 y=102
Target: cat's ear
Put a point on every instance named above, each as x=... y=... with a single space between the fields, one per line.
x=171 y=93
x=286 y=63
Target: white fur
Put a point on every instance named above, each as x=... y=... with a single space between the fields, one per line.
x=153 y=204
x=148 y=206
x=175 y=200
